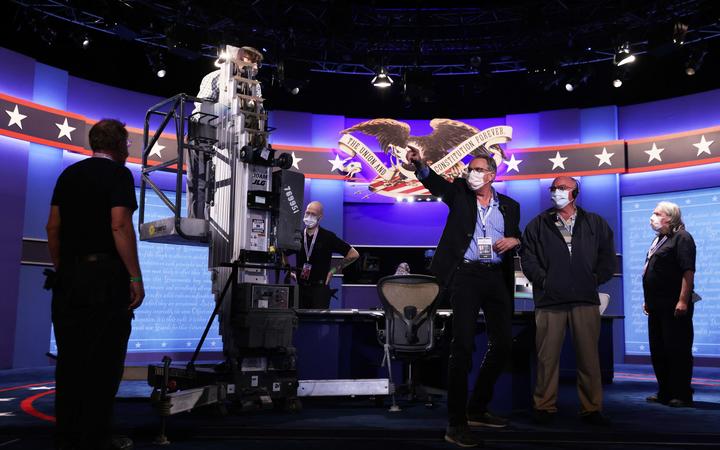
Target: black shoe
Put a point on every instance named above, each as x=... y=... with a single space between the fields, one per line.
x=486 y=419
x=543 y=417
x=596 y=418
x=677 y=403
x=654 y=398
x=120 y=443
x=462 y=436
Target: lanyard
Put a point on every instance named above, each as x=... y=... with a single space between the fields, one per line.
x=308 y=252
x=483 y=218
x=653 y=248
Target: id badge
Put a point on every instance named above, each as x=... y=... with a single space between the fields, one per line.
x=484 y=245
x=305 y=273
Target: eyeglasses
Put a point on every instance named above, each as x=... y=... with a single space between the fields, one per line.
x=560 y=188
x=479 y=170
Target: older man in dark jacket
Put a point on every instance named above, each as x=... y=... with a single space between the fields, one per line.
x=567 y=253
x=474 y=260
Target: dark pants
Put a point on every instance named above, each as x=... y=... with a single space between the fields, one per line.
x=314 y=296
x=92 y=327
x=671 y=341
x=197 y=184
x=474 y=288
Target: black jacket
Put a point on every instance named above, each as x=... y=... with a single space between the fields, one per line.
x=460 y=226
x=557 y=277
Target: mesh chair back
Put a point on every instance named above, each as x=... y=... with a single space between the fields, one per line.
x=409 y=302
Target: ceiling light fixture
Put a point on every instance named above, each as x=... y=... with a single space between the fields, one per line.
x=623 y=55
x=382 y=79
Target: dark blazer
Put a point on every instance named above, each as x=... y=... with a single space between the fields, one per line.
x=557 y=277
x=460 y=226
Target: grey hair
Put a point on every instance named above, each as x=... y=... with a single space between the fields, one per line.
x=492 y=165
x=672 y=210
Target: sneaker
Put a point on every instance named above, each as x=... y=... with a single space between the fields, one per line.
x=462 y=436
x=543 y=417
x=596 y=418
x=486 y=419
x=120 y=443
x=654 y=398
x=677 y=403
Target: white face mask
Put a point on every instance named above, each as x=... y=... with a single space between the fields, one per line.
x=476 y=180
x=560 y=198
x=310 y=220
x=656 y=222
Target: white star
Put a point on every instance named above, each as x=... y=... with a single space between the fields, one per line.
x=213 y=343
x=654 y=153
x=703 y=146
x=137 y=345
x=65 y=130
x=715 y=197
x=164 y=344
x=642 y=347
x=558 y=161
x=188 y=344
x=15 y=117
x=296 y=161
x=513 y=163
x=156 y=150
x=694 y=349
x=604 y=157
x=337 y=164
x=688 y=201
x=636 y=205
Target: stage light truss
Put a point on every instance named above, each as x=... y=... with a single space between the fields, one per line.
x=400 y=53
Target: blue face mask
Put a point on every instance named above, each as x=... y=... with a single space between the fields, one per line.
x=560 y=198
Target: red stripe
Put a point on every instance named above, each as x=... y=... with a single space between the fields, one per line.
x=27 y=406
x=30 y=104
x=562 y=148
x=325 y=177
x=14 y=388
x=558 y=174
x=301 y=148
x=664 y=137
x=698 y=162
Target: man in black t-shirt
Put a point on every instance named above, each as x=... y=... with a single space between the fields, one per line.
x=98 y=285
x=313 y=260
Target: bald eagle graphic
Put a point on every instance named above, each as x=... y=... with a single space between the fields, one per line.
x=394 y=138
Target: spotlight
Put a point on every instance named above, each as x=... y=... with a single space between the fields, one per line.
x=617 y=82
x=157 y=65
x=623 y=55
x=382 y=79
x=398 y=199
x=86 y=42
x=694 y=62
x=569 y=87
x=679 y=31
x=411 y=199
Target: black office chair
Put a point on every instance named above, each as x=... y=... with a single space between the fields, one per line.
x=410 y=334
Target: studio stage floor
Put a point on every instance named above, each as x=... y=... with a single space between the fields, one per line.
x=26 y=420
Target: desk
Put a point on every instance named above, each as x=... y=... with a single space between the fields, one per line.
x=342 y=344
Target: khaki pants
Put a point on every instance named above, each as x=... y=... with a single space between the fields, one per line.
x=584 y=322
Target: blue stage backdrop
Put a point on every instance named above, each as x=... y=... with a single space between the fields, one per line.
x=701 y=214
x=178 y=299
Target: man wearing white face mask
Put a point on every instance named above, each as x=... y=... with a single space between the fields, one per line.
x=474 y=261
x=567 y=253
x=668 y=278
x=313 y=260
